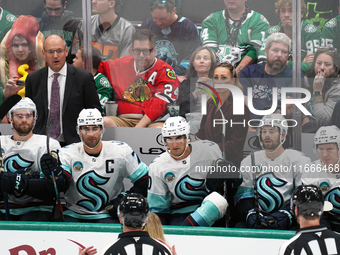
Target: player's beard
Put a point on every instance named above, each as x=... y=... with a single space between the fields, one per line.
x=91 y=142
x=23 y=130
x=272 y=146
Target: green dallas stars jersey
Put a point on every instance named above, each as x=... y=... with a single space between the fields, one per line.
x=331 y=33
x=6 y=22
x=310 y=38
x=249 y=39
x=104 y=89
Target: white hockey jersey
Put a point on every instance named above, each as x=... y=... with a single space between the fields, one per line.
x=97 y=180
x=328 y=180
x=178 y=186
x=24 y=154
x=276 y=179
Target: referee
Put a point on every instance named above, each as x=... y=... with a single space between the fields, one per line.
x=307 y=203
x=133 y=214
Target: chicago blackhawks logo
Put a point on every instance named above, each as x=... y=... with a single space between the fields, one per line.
x=88 y=186
x=138 y=91
x=190 y=189
x=333 y=196
x=270 y=199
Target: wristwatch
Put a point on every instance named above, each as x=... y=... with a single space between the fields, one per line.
x=317 y=93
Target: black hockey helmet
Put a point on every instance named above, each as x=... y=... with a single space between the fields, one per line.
x=308 y=199
x=134 y=210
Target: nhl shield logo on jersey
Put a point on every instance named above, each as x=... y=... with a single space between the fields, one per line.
x=169 y=177
x=324 y=186
x=310 y=28
x=331 y=23
x=78 y=166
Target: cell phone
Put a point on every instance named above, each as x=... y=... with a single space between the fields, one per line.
x=20 y=83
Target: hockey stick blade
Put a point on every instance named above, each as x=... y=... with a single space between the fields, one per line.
x=8 y=104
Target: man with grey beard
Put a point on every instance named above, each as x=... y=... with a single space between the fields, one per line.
x=265 y=76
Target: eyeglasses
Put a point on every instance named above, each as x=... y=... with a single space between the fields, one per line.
x=21 y=116
x=90 y=130
x=328 y=150
x=160 y=1
x=51 y=52
x=177 y=139
x=54 y=10
x=146 y=52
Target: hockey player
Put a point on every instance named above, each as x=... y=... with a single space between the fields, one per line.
x=139 y=82
x=30 y=195
x=269 y=178
x=325 y=172
x=177 y=190
x=98 y=168
x=307 y=203
x=235 y=34
x=133 y=215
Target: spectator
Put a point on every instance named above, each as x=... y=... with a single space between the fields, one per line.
x=139 y=82
x=324 y=172
x=235 y=34
x=104 y=87
x=30 y=195
x=235 y=135
x=325 y=86
x=75 y=87
x=177 y=37
x=263 y=197
x=97 y=169
x=133 y=215
x=336 y=115
x=312 y=238
x=111 y=33
x=331 y=34
x=274 y=73
x=21 y=51
x=310 y=34
x=177 y=191
x=201 y=69
x=320 y=11
x=6 y=22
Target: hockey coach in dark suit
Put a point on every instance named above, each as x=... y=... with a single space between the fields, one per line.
x=60 y=91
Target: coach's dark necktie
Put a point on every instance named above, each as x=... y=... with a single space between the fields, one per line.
x=55 y=107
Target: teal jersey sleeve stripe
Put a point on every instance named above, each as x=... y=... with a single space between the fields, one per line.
x=139 y=173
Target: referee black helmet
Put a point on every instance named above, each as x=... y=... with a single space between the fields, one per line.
x=134 y=210
x=308 y=199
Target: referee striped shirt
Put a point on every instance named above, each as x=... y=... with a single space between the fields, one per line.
x=316 y=240
x=137 y=243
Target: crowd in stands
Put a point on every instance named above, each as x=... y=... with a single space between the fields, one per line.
x=237 y=58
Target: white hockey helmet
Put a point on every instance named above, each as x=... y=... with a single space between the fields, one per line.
x=175 y=126
x=327 y=134
x=24 y=103
x=273 y=120
x=90 y=117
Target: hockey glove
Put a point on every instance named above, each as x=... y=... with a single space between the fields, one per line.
x=112 y=206
x=256 y=221
x=14 y=183
x=49 y=163
x=281 y=219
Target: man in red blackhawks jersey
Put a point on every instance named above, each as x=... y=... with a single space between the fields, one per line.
x=143 y=84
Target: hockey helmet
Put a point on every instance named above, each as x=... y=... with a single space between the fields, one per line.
x=175 y=126
x=309 y=201
x=90 y=117
x=134 y=210
x=327 y=134
x=24 y=103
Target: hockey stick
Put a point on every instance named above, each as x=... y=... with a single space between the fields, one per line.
x=256 y=195
x=48 y=132
x=4 y=108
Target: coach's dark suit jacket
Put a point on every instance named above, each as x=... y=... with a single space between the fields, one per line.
x=80 y=93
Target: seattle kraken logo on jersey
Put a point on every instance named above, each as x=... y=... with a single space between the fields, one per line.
x=15 y=162
x=190 y=189
x=88 y=186
x=270 y=199
x=333 y=196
